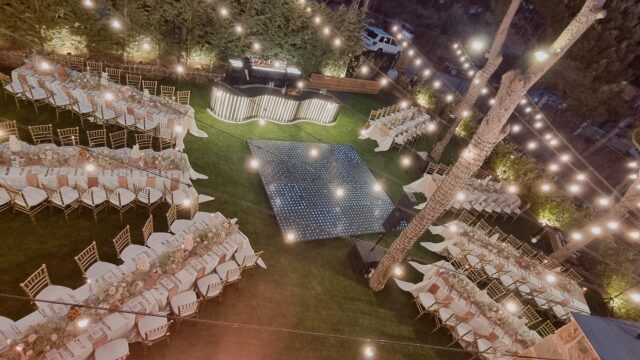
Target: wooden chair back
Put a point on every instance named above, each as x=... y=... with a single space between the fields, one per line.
x=546 y=329
x=144 y=141
x=114 y=75
x=483 y=227
x=134 y=81
x=97 y=138
x=122 y=240
x=88 y=257
x=466 y=217
x=118 y=139
x=171 y=214
x=147 y=229
x=94 y=66
x=36 y=282
x=69 y=136
x=167 y=91
x=150 y=85
x=41 y=133
x=495 y=290
x=8 y=128
x=75 y=63
x=157 y=334
x=189 y=309
x=184 y=97
x=529 y=314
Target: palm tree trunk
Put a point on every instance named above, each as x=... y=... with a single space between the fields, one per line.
x=480 y=79
x=492 y=129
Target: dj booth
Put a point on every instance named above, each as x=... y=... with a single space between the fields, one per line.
x=279 y=75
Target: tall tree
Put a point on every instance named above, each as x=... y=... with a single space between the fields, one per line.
x=479 y=81
x=513 y=87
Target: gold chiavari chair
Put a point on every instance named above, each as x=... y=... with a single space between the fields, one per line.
x=97 y=138
x=122 y=240
x=551 y=264
x=148 y=197
x=94 y=66
x=546 y=329
x=12 y=89
x=87 y=258
x=121 y=199
x=59 y=102
x=573 y=274
x=495 y=290
x=69 y=136
x=512 y=303
x=483 y=227
x=529 y=314
x=498 y=231
x=167 y=92
x=38 y=286
x=528 y=251
x=476 y=275
x=94 y=199
x=8 y=128
x=466 y=217
x=150 y=85
x=144 y=141
x=36 y=96
x=118 y=139
x=184 y=97
x=76 y=63
x=166 y=136
x=41 y=133
x=114 y=75
x=5 y=199
x=154 y=335
x=83 y=109
x=250 y=261
x=32 y=204
x=185 y=305
x=66 y=199
x=134 y=81
x=513 y=241
x=460 y=263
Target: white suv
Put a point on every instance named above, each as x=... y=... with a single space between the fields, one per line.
x=376 y=39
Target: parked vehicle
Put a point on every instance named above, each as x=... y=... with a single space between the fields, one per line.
x=548 y=98
x=376 y=39
x=406 y=30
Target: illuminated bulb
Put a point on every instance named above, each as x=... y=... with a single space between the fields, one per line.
x=418 y=62
x=326 y=30
x=470 y=72
x=399 y=36
x=576 y=236
x=186 y=202
x=337 y=42
x=574 y=188
x=180 y=69
x=300 y=84
x=541 y=55
x=633 y=164
x=313 y=152
x=476 y=81
x=108 y=96
x=459 y=52
x=83 y=323
x=363 y=132
x=405 y=44
x=146 y=46
x=492 y=101
x=523 y=102
x=532 y=145
x=633 y=176
x=317 y=19
x=635 y=297
x=377 y=186
x=448 y=98
x=437 y=84
x=404 y=104
x=238 y=28
x=596 y=230
x=538 y=124
x=256 y=46
x=290 y=236
x=553 y=142
x=528 y=109
x=178 y=129
x=467 y=154
x=613 y=225
x=565 y=157
x=254 y=163
x=223 y=11
x=465 y=65
x=368 y=352
x=453 y=228
x=87 y=3
x=516 y=128
x=406 y=161
x=484 y=91
x=339 y=192
x=90 y=167
x=116 y=24
x=364 y=69
x=634 y=235
x=511 y=307
x=411 y=52
x=455 y=46
x=426 y=72
x=538 y=116
x=581 y=177
x=45 y=65
x=462 y=58
x=477 y=44
x=465 y=113
x=553 y=167
x=397 y=270
x=512 y=189
x=603 y=201
x=460 y=196
x=431 y=127
x=548 y=136
x=550 y=278
x=545 y=187
x=384 y=82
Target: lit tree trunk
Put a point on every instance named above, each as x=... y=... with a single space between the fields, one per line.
x=479 y=80
x=621 y=125
x=493 y=128
x=618 y=211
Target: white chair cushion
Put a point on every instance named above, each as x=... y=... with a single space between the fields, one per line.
x=105 y=114
x=154 y=195
x=204 y=282
x=99 y=196
x=183 y=298
x=148 y=323
x=60 y=100
x=65 y=196
x=126 y=197
x=146 y=125
x=116 y=349
x=240 y=256
x=98 y=269
x=224 y=268
x=158 y=241
x=130 y=253
x=427 y=300
x=180 y=226
x=36 y=94
x=4 y=197
x=83 y=107
x=53 y=292
x=14 y=88
x=126 y=120
x=34 y=196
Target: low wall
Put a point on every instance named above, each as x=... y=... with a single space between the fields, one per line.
x=14 y=59
x=568 y=342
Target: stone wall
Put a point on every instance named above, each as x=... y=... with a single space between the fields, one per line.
x=14 y=59
x=569 y=342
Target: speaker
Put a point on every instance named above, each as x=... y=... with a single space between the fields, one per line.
x=362 y=258
x=402 y=211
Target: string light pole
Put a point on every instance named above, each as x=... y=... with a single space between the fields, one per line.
x=492 y=129
x=480 y=78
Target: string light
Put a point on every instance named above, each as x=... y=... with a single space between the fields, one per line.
x=317 y=20
x=471 y=72
x=339 y=192
x=603 y=201
x=492 y=101
x=180 y=69
x=256 y=46
x=437 y=84
x=545 y=187
x=426 y=72
x=238 y=28
x=635 y=297
x=538 y=116
x=411 y=52
x=224 y=12
x=448 y=98
x=581 y=177
x=45 y=66
x=326 y=30
x=596 y=230
x=550 y=278
x=574 y=188
x=523 y=101
x=576 y=236
x=290 y=236
x=384 y=82
x=553 y=167
x=460 y=196
x=516 y=128
x=88 y=3
x=511 y=307
x=116 y=24
x=431 y=127
x=465 y=65
x=377 y=187
x=553 y=142
x=465 y=113
x=512 y=189
x=613 y=225
x=397 y=270
x=300 y=84
x=565 y=157
x=254 y=163
x=90 y=167
x=532 y=145
x=146 y=46
x=364 y=69
x=186 y=202
x=83 y=323
x=634 y=235
x=528 y=109
x=541 y=55
x=484 y=91
x=418 y=62
x=337 y=42
x=178 y=129
x=406 y=161
x=368 y=351
x=538 y=124
x=633 y=164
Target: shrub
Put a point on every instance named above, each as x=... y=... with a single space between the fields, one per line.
x=62 y=41
x=336 y=66
x=424 y=97
x=468 y=126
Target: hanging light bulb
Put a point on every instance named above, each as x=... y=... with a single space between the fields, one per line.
x=516 y=128
x=437 y=84
x=545 y=187
x=532 y=145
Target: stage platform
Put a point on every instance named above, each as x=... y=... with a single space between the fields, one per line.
x=320 y=191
